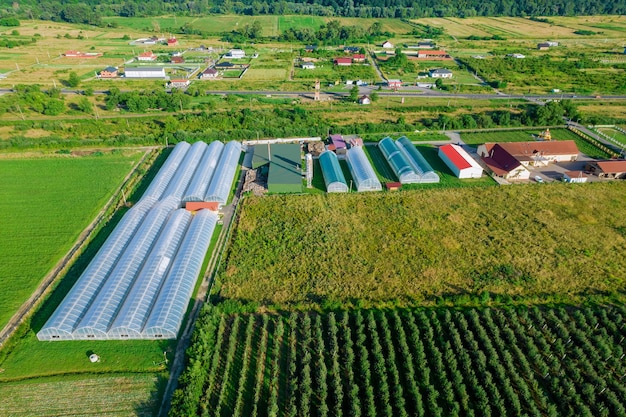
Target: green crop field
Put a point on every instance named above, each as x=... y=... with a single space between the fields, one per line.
x=526 y=135
x=84 y=395
x=427 y=362
x=406 y=248
x=46 y=203
x=615 y=134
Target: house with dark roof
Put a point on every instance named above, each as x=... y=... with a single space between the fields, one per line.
x=209 y=73
x=537 y=153
x=108 y=72
x=351 y=49
x=224 y=64
x=177 y=59
x=504 y=165
x=310 y=48
x=440 y=73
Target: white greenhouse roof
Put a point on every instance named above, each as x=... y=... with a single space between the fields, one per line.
x=362 y=172
x=222 y=180
x=418 y=162
x=200 y=181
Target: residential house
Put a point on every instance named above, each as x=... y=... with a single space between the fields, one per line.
x=310 y=48
x=147 y=56
x=235 y=54
x=537 y=153
x=338 y=145
x=172 y=41
x=387 y=45
x=210 y=73
x=440 y=73
x=364 y=100
x=181 y=83
x=343 y=62
x=108 y=72
x=72 y=54
x=433 y=54
x=543 y=46
x=358 y=58
x=177 y=59
x=224 y=65
x=351 y=49
x=308 y=65
x=504 y=165
x=394 y=83
x=552 y=43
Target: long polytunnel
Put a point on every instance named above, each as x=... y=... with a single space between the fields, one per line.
x=136 y=308
x=398 y=162
x=331 y=171
x=139 y=283
x=180 y=181
x=417 y=161
x=362 y=172
x=169 y=308
x=219 y=188
x=167 y=171
x=62 y=322
x=105 y=306
x=201 y=179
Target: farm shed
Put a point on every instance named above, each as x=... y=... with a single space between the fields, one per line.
x=308 y=65
x=417 y=161
x=608 y=169
x=284 y=164
x=219 y=187
x=144 y=72
x=574 y=176
x=504 y=165
x=460 y=162
x=398 y=161
x=202 y=177
x=331 y=171
x=362 y=172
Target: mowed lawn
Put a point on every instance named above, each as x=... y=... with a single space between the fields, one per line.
x=45 y=203
x=89 y=395
x=545 y=243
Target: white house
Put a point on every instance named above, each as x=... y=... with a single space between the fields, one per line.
x=364 y=100
x=236 y=54
x=460 y=162
x=387 y=45
x=209 y=73
x=146 y=56
x=440 y=73
x=308 y=65
x=144 y=72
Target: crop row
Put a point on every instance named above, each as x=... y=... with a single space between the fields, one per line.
x=426 y=362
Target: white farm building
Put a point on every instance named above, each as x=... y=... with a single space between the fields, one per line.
x=145 y=72
x=460 y=162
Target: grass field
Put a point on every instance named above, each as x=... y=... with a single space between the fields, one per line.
x=428 y=362
x=526 y=135
x=408 y=247
x=615 y=134
x=84 y=395
x=47 y=202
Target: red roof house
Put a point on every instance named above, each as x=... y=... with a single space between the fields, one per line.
x=146 y=56
x=432 y=54
x=172 y=41
x=343 y=62
x=358 y=57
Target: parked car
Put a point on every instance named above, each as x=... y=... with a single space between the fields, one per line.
x=538 y=179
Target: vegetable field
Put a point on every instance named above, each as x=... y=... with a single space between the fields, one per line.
x=46 y=203
x=412 y=247
x=432 y=362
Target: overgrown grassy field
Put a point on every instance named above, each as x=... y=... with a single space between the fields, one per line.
x=526 y=135
x=542 y=243
x=427 y=362
x=46 y=202
x=88 y=395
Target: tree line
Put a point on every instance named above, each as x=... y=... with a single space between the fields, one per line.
x=91 y=11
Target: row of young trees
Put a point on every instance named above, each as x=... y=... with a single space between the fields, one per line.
x=89 y=11
x=445 y=362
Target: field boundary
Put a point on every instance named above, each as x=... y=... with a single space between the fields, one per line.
x=63 y=264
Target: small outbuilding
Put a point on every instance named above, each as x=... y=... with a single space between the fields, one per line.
x=608 y=169
x=440 y=73
x=459 y=161
x=387 y=45
x=236 y=54
x=574 y=177
x=364 y=100
x=308 y=65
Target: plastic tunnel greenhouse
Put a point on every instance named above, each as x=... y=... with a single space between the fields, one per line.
x=104 y=307
x=417 y=160
x=181 y=179
x=73 y=307
x=139 y=283
x=169 y=308
x=398 y=162
x=362 y=172
x=201 y=179
x=219 y=188
x=167 y=171
x=135 y=310
x=331 y=171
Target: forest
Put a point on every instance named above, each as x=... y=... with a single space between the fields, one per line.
x=91 y=11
